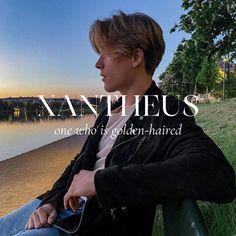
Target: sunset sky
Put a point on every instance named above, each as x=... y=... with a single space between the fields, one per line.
x=44 y=45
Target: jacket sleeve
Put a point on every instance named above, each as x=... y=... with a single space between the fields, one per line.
x=192 y=167
x=60 y=186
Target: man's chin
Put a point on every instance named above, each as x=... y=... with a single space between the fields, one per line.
x=109 y=89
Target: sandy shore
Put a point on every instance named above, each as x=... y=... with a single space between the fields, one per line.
x=24 y=177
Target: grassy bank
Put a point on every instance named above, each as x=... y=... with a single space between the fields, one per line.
x=218 y=120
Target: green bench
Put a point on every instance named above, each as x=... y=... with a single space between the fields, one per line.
x=183 y=219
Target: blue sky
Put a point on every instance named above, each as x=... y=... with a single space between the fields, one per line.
x=44 y=45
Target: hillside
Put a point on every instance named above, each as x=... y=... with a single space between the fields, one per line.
x=218 y=120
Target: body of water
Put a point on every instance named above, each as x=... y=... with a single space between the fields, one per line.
x=22 y=132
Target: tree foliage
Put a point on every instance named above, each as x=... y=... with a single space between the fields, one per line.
x=212 y=25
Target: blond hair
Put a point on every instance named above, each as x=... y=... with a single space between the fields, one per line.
x=127 y=32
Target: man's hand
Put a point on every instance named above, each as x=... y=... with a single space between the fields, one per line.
x=44 y=216
x=82 y=185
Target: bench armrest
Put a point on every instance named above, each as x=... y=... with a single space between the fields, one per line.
x=183 y=218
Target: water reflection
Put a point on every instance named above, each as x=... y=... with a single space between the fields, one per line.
x=21 y=131
x=16 y=113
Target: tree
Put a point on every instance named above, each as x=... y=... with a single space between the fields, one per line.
x=207 y=75
x=180 y=76
x=212 y=24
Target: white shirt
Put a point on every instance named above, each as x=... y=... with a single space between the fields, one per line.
x=113 y=127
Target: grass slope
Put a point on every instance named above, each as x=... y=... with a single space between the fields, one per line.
x=218 y=120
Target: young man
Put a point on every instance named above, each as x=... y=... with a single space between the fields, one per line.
x=125 y=176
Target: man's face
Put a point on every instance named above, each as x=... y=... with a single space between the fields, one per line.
x=116 y=70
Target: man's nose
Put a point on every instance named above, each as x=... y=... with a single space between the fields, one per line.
x=99 y=64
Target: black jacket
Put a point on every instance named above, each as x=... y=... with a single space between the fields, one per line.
x=144 y=170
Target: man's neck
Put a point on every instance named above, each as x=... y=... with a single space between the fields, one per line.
x=139 y=88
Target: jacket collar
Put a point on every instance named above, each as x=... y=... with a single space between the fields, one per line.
x=136 y=121
x=139 y=120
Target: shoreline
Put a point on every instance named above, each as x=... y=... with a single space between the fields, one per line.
x=25 y=176
x=36 y=148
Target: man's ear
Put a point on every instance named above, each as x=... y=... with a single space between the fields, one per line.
x=138 y=57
